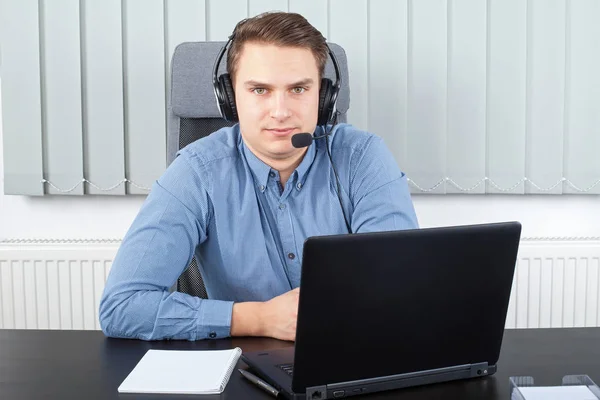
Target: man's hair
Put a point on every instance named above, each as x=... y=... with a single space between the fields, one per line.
x=280 y=29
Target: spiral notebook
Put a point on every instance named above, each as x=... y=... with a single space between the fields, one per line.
x=182 y=371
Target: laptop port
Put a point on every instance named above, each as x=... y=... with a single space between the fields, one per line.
x=338 y=393
x=316 y=392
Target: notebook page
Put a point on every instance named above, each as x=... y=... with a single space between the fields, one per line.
x=557 y=393
x=182 y=371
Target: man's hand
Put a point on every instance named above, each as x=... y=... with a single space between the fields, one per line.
x=275 y=318
x=280 y=314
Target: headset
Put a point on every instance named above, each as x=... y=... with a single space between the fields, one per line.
x=223 y=88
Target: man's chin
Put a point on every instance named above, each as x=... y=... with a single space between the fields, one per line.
x=283 y=151
x=283 y=143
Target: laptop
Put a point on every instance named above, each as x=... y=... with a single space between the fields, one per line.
x=386 y=310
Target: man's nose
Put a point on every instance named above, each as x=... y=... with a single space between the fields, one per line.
x=280 y=109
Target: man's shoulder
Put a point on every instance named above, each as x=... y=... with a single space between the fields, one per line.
x=347 y=136
x=361 y=148
x=219 y=145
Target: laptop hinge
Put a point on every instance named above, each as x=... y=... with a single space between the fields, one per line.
x=466 y=368
x=320 y=392
x=479 y=369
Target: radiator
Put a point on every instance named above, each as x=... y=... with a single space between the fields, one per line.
x=48 y=285
x=556 y=284
x=53 y=285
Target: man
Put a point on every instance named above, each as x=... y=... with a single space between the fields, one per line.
x=244 y=199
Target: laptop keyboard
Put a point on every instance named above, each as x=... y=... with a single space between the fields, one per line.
x=287 y=368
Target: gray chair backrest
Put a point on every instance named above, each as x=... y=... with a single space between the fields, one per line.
x=193 y=113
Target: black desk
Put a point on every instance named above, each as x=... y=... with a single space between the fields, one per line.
x=86 y=365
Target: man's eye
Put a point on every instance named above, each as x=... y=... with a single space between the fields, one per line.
x=298 y=90
x=259 y=91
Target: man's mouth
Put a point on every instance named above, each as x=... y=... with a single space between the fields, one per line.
x=281 y=131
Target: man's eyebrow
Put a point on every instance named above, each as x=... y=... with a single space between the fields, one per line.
x=303 y=82
x=256 y=83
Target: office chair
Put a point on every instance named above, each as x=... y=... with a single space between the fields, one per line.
x=192 y=114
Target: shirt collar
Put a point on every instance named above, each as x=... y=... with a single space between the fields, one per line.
x=258 y=168
x=261 y=170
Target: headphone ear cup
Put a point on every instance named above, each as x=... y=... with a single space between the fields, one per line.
x=229 y=109
x=325 y=102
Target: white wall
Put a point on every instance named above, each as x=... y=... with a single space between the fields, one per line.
x=108 y=217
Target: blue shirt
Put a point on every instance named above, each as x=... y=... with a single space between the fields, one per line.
x=217 y=200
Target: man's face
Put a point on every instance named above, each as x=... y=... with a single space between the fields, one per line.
x=277 y=96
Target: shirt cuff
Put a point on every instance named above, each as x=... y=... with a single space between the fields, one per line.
x=215 y=319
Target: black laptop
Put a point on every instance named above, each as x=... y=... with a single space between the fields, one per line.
x=387 y=310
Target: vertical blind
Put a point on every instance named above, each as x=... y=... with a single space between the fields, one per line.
x=471 y=96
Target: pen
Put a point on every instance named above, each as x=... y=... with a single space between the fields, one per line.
x=259 y=382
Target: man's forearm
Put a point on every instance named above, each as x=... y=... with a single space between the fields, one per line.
x=156 y=315
x=246 y=319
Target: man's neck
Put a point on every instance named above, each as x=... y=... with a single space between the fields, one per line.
x=284 y=167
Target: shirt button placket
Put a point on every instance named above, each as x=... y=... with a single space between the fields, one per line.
x=286 y=239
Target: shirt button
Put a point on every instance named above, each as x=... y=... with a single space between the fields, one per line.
x=262 y=188
x=272 y=174
x=282 y=206
x=299 y=185
x=291 y=256
x=212 y=335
